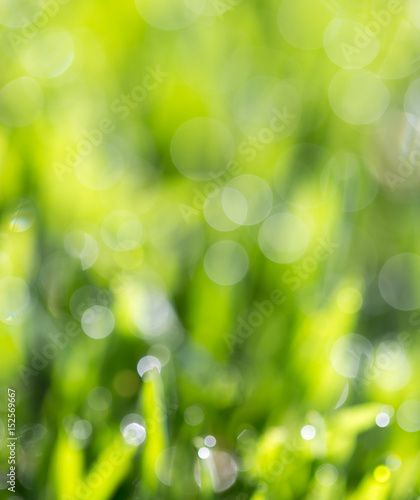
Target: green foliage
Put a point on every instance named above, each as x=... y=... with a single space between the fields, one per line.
x=209 y=249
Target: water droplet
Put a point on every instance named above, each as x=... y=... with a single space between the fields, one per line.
x=147 y=365
x=134 y=434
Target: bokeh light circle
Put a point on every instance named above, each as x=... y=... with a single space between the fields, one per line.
x=194 y=415
x=134 y=434
x=303 y=22
x=172 y=15
x=203 y=453
x=283 y=238
x=414 y=13
x=349 y=352
x=98 y=166
x=412 y=104
x=99 y=398
x=82 y=429
x=83 y=246
x=349 y=44
x=214 y=213
x=88 y=296
x=326 y=475
x=161 y=352
x=22 y=217
x=152 y=313
x=382 y=419
x=131 y=418
x=408 y=416
x=20 y=13
x=393 y=462
x=98 y=322
x=226 y=262
x=357 y=96
x=308 y=432
x=396 y=283
x=381 y=474
x=210 y=441
x=122 y=231
x=247 y=200
x=222 y=472
x=147 y=365
x=60 y=49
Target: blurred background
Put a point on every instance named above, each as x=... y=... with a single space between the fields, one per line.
x=209 y=249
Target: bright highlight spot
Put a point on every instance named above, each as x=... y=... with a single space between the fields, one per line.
x=134 y=434
x=382 y=419
x=308 y=432
x=204 y=452
x=382 y=474
x=210 y=441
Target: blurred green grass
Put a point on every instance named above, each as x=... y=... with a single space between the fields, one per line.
x=137 y=139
